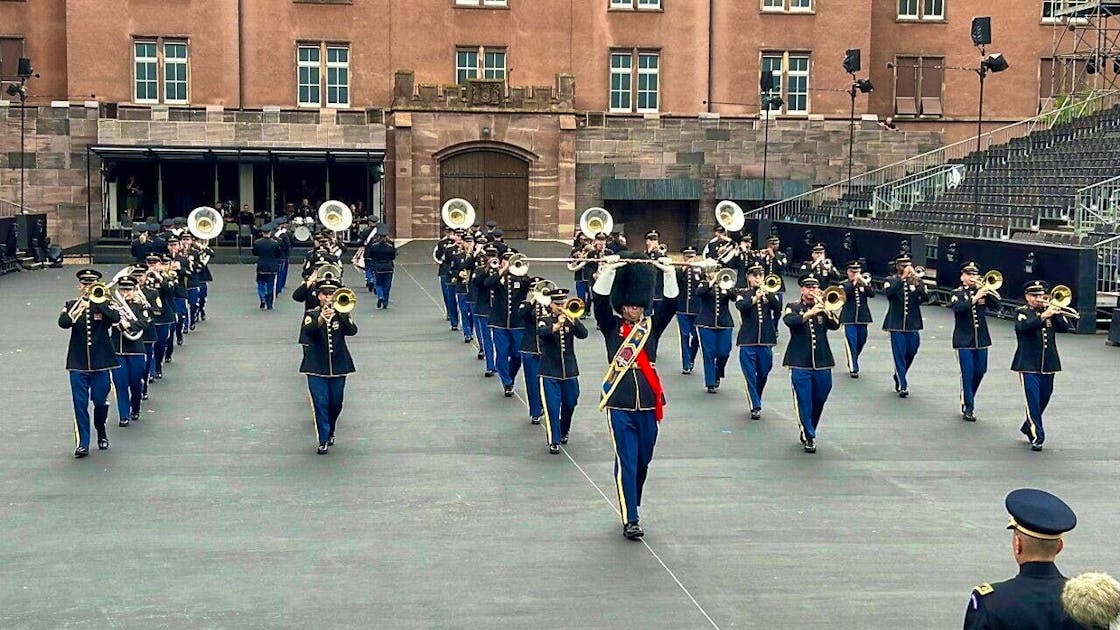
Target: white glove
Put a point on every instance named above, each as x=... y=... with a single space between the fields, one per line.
x=664 y=264
x=605 y=280
x=671 y=288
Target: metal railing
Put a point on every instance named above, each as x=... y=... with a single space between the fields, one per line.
x=938 y=157
x=1108 y=266
x=1097 y=204
x=11 y=208
x=908 y=192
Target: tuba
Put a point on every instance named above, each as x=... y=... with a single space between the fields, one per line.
x=344 y=300
x=457 y=213
x=595 y=220
x=730 y=216
x=335 y=215
x=205 y=223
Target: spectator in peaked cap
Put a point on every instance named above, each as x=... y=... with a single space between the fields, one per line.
x=1093 y=600
x=1032 y=599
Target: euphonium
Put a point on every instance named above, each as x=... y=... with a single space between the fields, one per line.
x=725 y=279
x=540 y=292
x=573 y=308
x=344 y=300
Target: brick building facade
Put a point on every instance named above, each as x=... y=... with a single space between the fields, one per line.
x=533 y=110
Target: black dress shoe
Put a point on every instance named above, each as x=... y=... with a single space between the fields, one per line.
x=853 y=374
x=178 y=342
x=81 y=452
x=553 y=449
x=756 y=414
x=330 y=441
x=123 y=422
x=134 y=417
x=508 y=392
x=158 y=376
x=1036 y=445
x=468 y=339
x=144 y=395
x=480 y=356
x=632 y=531
x=534 y=419
x=810 y=446
x=902 y=393
x=489 y=373
x=564 y=439
x=262 y=304
x=687 y=370
x=969 y=416
x=454 y=328
x=102 y=444
x=711 y=390
x=322 y=450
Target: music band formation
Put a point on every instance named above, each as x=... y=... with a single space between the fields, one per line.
x=525 y=323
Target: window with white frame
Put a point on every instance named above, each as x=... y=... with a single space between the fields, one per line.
x=790 y=72
x=323 y=75
x=468 y=66
x=175 y=73
x=631 y=5
x=147 y=72
x=1050 y=10
x=308 y=62
x=927 y=10
x=160 y=71
x=648 y=63
x=622 y=64
x=787 y=6
x=635 y=94
x=481 y=3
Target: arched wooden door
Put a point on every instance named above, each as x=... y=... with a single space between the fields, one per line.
x=496 y=183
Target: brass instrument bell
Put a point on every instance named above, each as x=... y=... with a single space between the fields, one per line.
x=518 y=265
x=457 y=213
x=573 y=308
x=344 y=300
x=833 y=299
x=594 y=221
x=771 y=283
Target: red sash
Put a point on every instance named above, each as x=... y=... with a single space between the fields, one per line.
x=650 y=373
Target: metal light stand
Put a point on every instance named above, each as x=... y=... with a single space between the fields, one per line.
x=982 y=72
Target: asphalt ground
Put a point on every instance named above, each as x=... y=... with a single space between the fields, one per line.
x=440 y=507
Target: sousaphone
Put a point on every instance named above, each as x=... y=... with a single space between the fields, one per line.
x=335 y=215
x=457 y=213
x=594 y=221
x=205 y=223
x=730 y=216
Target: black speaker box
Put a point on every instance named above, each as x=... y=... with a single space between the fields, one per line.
x=1114 y=329
x=851 y=61
x=766 y=81
x=24 y=67
x=981 y=31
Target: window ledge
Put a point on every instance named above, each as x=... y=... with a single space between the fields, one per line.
x=490 y=7
x=323 y=1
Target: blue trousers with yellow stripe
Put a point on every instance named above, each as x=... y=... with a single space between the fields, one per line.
x=128 y=381
x=810 y=392
x=1037 y=388
x=974 y=364
x=531 y=369
x=855 y=337
x=904 y=347
x=485 y=341
x=466 y=315
x=756 y=363
x=326 y=400
x=634 y=434
x=86 y=387
x=716 y=343
x=561 y=395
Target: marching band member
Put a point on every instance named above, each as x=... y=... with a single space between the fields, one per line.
x=856 y=315
x=89 y=359
x=632 y=393
x=743 y=260
x=773 y=261
x=528 y=312
x=559 y=372
x=905 y=293
x=379 y=255
x=462 y=268
x=192 y=275
x=128 y=344
x=508 y=291
x=488 y=266
x=688 y=307
x=821 y=267
x=655 y=250
x=167 y=318
x=758 y=310
x=205 y=277
x=720 y=240
x=442 y=254
x=1036 y=356
x=284 y=238
x=714 y=325
x=326 y=360
x=306 y=294
x=149 y=297
x=180 y=264
x=267 y=251
x=809 y=357
x=970 y=303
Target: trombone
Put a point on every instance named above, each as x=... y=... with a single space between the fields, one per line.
x=992 y=281
x=1059 y=299
x=344 y=300
x=833 y=299
x=573 y=308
